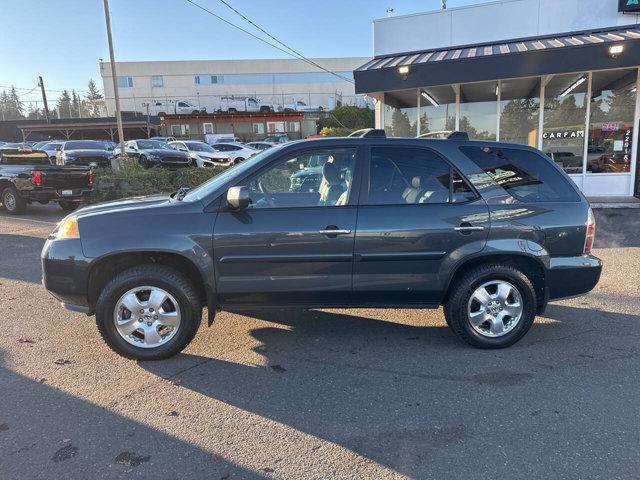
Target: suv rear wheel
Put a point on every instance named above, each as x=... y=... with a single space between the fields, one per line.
x=149 y=312
x=491 y=306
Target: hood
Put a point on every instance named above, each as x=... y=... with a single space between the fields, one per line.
x=162 y=152
x=212 y=154
x=124 y=204
x=88 y=153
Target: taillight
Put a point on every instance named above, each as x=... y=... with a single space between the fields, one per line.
x=591 y=233
x=36 y=177
x=90 y=177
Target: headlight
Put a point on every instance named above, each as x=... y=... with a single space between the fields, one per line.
x=67 y=228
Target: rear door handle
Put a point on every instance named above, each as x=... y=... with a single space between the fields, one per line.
x=334 y=231
x=466 y=228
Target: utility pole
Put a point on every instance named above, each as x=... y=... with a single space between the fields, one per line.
x=115 y=165
x=44 y=99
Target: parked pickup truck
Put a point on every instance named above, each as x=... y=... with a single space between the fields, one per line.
x=27 y=176
x=242 y=104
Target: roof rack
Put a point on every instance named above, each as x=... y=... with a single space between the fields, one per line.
x=369 y=133
x=458 y=136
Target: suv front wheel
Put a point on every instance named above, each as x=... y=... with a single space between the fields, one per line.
x=491 y=306
x=149 y=312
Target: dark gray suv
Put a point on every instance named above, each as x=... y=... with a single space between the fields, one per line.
x=491 y=231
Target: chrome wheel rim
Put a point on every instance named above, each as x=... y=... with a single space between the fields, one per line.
x=495 y=308
x=147 y=317
x=9 y=201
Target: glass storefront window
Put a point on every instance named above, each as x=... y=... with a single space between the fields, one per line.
x=479 y=110
x=520 y=111
x=564 y=118
x=401 y=113
x=437 y=110
x=613 y=100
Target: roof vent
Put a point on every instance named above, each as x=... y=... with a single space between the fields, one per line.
x=369 y=133
x=458 y=136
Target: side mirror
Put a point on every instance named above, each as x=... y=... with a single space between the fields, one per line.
x=58 y=149
x=238 y=198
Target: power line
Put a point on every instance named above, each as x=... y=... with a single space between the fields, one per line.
x=287 y=52
x=298 y=54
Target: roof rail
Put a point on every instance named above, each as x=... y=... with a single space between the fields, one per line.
x=459 y=136
x=369 y=133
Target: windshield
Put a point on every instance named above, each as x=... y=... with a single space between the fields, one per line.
x=50 y=146
x=199 y=147
x=152 y=145
x=219 y=180
x=84 y=145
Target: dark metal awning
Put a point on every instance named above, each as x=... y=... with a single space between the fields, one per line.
x=570 y=52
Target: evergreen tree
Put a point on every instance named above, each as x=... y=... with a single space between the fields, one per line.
x=17 y=106
x=94 y=98
x=64 y=105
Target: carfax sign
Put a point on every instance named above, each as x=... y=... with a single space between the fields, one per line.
x=629 y=5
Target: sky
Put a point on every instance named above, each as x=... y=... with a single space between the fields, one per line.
x=63 y=40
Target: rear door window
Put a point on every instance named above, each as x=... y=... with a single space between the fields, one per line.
x=409 y=175
x=525 y=175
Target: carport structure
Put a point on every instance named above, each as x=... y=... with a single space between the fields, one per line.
x=89 y=128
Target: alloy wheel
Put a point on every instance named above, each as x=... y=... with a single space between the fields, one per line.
x=147 y=317
x=495 y=308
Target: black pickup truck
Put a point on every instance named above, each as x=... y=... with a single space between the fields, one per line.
x=27 y=176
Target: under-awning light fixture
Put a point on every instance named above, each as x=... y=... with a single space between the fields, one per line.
x=429 y=98
x=403 y=71
x=615 y=50
x=573 y=86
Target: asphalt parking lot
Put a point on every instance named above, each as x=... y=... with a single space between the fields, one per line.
x=323 y=394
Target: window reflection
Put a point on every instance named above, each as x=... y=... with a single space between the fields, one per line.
x=520 y=111
x=564 y=120
x=613 y=101
x=479 y=110
x=400 y=113
x=437 y=111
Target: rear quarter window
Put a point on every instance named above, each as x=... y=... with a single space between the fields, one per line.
x=525 y=175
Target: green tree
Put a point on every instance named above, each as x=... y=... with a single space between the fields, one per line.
x=64 y=105
x=349 y=117
x=94 y=99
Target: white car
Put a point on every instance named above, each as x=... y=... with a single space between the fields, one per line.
x=203 y=154
x=236 y=151
x=261 y=145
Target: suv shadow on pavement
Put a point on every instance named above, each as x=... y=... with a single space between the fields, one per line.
x=410 y=398
x=20 y=257
x=47 y=433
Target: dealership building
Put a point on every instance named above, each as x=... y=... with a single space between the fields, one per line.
x=211 y=83
x=561 y=76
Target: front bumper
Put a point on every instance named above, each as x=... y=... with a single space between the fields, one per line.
x=572 y=276
x=65 y=272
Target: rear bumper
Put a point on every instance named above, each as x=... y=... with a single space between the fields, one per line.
x=65 y=272
x=46 y=195
x=572 y=276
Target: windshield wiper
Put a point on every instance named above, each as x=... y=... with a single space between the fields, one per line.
x=182 y=191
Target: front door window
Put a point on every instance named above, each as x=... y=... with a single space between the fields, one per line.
x=316 y=178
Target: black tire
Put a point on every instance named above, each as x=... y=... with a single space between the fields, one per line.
x=162 y=114
x=12 y=202
x=160 y=276
x=195 y=112
x=238 y=160
x=68 y=206
x=142 y=160
x=455 y=308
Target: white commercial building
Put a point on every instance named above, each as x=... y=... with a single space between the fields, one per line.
x=210 y=83
x=560 y=75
